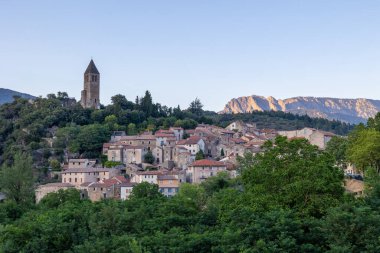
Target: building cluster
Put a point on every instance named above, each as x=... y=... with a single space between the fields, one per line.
x=172 y=159
x=167 y=158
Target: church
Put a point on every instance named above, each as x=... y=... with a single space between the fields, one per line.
x=91 y=87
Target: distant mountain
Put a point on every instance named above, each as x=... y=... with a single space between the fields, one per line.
x=346 y=110
x=6 y=95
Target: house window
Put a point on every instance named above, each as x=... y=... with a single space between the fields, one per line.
x=70 y=179
x=75 y=180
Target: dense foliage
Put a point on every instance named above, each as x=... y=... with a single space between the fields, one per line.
x=289 y=199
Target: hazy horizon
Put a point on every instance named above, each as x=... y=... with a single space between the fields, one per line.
x=214 y=50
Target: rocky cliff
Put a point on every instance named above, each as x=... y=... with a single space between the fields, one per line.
x=347 y=110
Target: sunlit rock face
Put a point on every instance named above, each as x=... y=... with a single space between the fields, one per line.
x=347 y=110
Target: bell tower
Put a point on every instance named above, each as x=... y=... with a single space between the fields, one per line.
x=91 y=87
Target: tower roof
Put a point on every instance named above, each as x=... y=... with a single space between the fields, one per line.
x=91 y=68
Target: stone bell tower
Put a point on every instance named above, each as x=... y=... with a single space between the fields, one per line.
x=90 y=92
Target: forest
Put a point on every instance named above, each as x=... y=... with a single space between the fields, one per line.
x=289 y=198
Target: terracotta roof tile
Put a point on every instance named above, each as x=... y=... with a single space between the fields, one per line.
x=207 y=163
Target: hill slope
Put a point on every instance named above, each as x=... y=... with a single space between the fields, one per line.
x=6 y=95
x=347 y=110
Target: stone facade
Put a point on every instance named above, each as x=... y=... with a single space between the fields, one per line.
x=43 y=190
x=91 y=88
x=200 y=170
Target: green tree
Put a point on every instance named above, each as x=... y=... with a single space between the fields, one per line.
x=132 y=130
x=216 y=183
x=222 y=153
x=110 y=164
x=111 y=121
x=199 y=155
x=16 y=181
x=55 y=165
x=90 y=139
x=364 y=148
x=337 y=147
x=145 y=190
x=196 y=107
x=148 y=157
x=146 y=104
x=293 y=174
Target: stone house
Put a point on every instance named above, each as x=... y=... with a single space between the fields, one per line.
x=80 y=163
x=117 y=136
x=178 y=132
x=43 y=190
x=355 y=187
x=193 y=144
x=200 y=170
x=314 y=136
x=242 y=127
x=147 y=176
x=168 y=184
x=183 y=157
x=135 y=154
x=108 y=188
x=126 y=190
x=78 y=176
x=147 y=141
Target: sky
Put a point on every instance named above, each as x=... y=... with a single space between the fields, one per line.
x=215 y=50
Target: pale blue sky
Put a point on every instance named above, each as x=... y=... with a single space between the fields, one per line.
x=179 y=50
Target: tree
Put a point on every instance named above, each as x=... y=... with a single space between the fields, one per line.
x=216 y=183
x=196 y=107
x=374 y=123
x=16 y=181
x=121 y=103
x=111 y=121
x=89 y=141
x=132 y=129
x=337 y=147
x=145 y=190
x=199 y=155
x=55 y=199
x=146 y=104
x=110 y=164
x=222 y=152
x=364 y=148
x=55 y=165
x=292 y=174
x=148 y=157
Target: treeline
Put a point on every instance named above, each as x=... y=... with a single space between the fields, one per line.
x=29 y=127
x=290 y=198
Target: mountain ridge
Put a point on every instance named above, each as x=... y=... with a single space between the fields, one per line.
x=6 y=95
x=351 y=110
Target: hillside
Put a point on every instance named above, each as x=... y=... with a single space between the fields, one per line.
x=6 y=95
x=347 y=110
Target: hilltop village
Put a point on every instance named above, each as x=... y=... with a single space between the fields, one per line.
x=168 y=157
